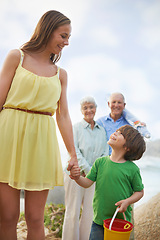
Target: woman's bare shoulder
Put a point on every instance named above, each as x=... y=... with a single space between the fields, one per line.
x=13 y=57
x=63 y=75
x=15 y=53
x=63 y=72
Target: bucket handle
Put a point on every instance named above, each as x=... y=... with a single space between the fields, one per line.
x=117 y=209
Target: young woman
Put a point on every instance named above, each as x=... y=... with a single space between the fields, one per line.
x=32 y=89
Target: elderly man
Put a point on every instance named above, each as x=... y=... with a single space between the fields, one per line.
x=119 y=116
x=115 y=119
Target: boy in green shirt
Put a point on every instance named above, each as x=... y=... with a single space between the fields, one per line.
x=118 y=180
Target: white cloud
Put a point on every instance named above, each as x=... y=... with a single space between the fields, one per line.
x=101 y=73
x=154 y=62
x=75 y=10
x=105 y=36
x=150 y=12
x=96 y=71
x=154 y=129
x=150 y=23
x=137 y=85
x=15 y=37
x=150 y=36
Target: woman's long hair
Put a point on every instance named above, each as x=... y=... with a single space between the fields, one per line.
x=50 y=21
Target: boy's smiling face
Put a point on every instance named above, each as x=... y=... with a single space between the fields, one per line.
x=117 y=140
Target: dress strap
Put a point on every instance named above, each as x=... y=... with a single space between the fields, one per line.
x=59 y=107
x=22 y=56
x=58 y=68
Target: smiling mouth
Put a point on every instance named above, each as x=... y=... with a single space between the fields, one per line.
x=113 y=137
x=60 y=47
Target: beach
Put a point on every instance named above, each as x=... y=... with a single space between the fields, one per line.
x=150 y=172
x=146 y=222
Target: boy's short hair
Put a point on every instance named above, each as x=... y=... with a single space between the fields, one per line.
x=135 y=143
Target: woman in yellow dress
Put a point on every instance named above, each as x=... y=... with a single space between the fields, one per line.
x=32 y=89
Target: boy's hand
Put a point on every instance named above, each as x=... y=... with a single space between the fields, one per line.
x=75 y=172
x=123 y=204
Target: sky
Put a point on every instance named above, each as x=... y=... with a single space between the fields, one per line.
x=114 y=47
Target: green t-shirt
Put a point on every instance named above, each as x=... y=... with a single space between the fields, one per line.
x=114 y=182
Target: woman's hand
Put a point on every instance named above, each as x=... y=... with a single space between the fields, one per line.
x=72 y=162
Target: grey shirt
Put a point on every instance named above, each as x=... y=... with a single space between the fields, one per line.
x=90 y=144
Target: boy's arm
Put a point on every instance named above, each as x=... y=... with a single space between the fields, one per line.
x=80 y=180
x=123 y=204
x=84 y=182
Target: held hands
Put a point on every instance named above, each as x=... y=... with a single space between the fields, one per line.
x=73 y=168
x=75 y=172
x=72 y=162
x=123 y=204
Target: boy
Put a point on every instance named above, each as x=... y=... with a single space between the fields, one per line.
x=118 y=180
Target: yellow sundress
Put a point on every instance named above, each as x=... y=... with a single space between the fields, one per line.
x=29 y=151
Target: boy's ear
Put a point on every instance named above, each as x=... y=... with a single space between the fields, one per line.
x=126 y=149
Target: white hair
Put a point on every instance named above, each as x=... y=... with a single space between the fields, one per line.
x=116 y=93
x=87 y=99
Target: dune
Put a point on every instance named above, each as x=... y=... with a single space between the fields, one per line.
x=147 y=220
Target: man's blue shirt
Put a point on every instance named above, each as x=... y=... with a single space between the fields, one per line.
x=110 y=126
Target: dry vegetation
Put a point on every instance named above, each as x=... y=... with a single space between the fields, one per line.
x=53 y=221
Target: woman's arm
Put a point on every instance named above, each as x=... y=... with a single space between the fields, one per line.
x=64 y=121
x=123 y=204
x=7 y=73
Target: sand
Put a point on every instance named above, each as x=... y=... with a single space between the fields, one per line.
x=147 y=220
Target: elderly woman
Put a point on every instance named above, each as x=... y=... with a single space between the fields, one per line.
x=90 y=143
